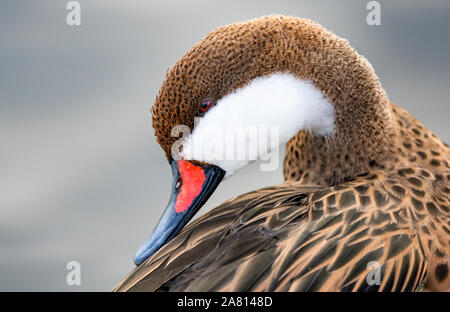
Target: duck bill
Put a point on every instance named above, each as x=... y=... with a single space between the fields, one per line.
x=192 y=186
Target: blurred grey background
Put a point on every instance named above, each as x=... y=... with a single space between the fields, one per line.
x=81 y=175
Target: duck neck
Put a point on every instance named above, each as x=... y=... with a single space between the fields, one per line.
x=364 y=131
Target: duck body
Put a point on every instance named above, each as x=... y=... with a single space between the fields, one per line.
x=355 y=213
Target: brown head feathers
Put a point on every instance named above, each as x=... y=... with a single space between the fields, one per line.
x=232 y=56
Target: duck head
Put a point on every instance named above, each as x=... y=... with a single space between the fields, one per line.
x=279 y=73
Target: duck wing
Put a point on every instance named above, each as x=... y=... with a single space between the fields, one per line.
x=236 y=229
x=370 y=234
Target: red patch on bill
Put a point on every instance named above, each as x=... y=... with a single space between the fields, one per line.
x=193 y=178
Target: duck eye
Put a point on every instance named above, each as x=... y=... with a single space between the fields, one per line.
x=204 y=106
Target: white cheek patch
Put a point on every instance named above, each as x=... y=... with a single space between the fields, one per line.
x=253 y=121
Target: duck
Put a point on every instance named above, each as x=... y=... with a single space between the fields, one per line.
x=365 y=202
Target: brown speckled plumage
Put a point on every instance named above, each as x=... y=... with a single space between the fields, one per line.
x=376 y=190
